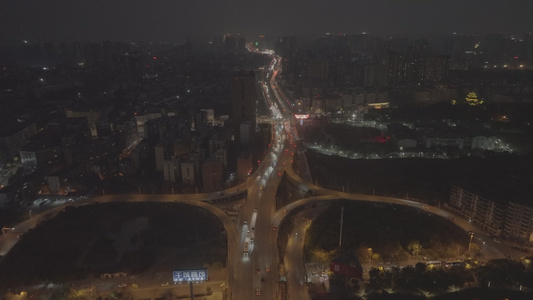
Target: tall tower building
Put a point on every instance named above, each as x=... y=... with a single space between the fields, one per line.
x=243 y=105
x=395 y=69
x=417 y=53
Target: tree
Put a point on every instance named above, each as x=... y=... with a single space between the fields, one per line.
x=22 y=296
x=380 y=279
x=501 y=272
x=421 y=268
x=472 y=100
x=81 y=294
x=406 y=278
x=459 y=276
x=414 y=248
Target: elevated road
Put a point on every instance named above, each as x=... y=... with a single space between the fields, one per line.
x=253 y=263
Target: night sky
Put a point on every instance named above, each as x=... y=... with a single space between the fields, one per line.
x=171 y=20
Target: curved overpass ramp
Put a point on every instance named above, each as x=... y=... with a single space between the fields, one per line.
x=7 y=241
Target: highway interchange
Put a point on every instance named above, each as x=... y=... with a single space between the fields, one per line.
x=256 y=274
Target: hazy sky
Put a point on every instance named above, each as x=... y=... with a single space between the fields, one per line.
x=170 y=20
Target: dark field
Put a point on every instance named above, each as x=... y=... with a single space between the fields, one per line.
x=84 y=242
x=426 y=180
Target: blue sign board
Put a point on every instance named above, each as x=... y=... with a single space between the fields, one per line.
x=190 y=275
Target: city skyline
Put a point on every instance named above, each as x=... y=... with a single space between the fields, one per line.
x=122 y=162
x=171 y=21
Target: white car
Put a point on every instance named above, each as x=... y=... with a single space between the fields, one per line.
x=164 y=284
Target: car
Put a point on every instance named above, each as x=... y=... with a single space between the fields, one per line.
x=253 y=228
x=262 y=280
x=122 y=285
x=267 y=268
x=257 y=270
x=164 y=284
x=258 y=292
x=274 y=228
x=255 y=209
x=245 y=221
x=261 y=188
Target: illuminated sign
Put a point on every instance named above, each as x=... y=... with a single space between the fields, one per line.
x=301 y=116
x=190 y=275
x=378 y=105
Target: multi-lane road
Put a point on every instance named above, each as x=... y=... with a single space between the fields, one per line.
x=253 y=256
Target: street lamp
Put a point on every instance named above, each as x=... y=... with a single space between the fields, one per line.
x=470 y=243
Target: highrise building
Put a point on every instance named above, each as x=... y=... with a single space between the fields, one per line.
x=416 y=55
x=318 y=69
x=212 y=171
x=436 y=70
x=395 y=69
x=519 y=222
x=243 y=104
x=12 y=138
x=171 y=169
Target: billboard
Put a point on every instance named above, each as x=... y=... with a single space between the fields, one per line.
x=189 y=275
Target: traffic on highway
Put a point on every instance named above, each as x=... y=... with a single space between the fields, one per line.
x=255 y=269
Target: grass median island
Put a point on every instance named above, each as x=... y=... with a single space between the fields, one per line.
x=84 y=242
x=394 y=233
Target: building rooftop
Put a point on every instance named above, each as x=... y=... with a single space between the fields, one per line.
x=11 y=130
